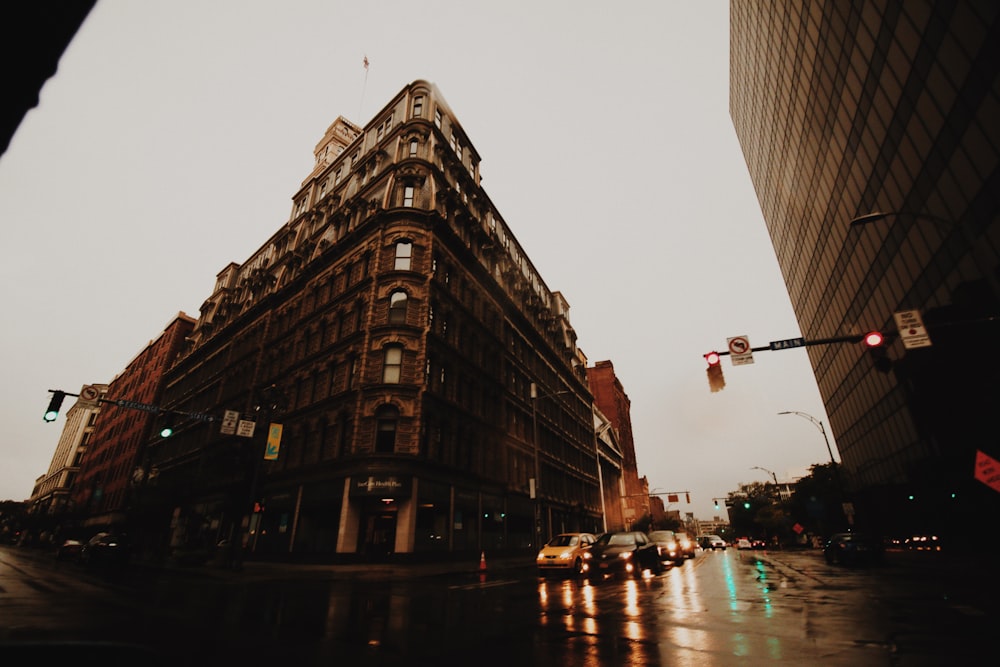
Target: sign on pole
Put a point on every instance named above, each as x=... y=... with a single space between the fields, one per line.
x=89 y=397
x=229 y=421
x=987 y=470
x=245 y=428
x=273 y=443
x=911 y=329
x=739 y=350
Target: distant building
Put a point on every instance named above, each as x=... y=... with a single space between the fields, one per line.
x=114 y=464
x=885 y=114
x=51 y=495
x=430 y=393
x=611 y=399
x=715 y=526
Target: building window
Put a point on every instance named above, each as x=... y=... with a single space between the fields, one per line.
x=352 y=372
x=386 y=418
x=437 y=118
x=392 y=364
x=413 y=147
x=418 y=106
x=397 y=307
x=404 y=253
x=408 y=195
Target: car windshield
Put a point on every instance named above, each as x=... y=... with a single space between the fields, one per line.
x=620 y=539
x=564 y=541
x=661 y=535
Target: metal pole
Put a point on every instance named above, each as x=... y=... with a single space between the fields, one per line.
x=534 y=440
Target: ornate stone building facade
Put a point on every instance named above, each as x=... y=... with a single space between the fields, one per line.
x=430 y=393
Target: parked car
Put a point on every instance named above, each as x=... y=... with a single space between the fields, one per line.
x=687 y=544
x=105 y=549
x=565 y=553
x=668 y=547
x=853 y=549
x=623 y=552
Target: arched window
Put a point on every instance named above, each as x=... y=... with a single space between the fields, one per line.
x=392 y=364
x=386 y=418
x=397 y=307
x=404 y=252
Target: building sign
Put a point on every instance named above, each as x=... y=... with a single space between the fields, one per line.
x=380 y=486
x=273 y=442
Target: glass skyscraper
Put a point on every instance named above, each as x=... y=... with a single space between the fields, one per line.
x=871 y=131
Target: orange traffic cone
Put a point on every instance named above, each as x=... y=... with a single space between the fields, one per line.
x=482 y=562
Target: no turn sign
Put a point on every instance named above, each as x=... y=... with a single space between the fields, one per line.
x=739 y=350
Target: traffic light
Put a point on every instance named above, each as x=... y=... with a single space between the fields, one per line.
x=875 y=342
x=716 y=504
x=746 y=504
x=168 y=426
x=715 y=380
x=54 y=405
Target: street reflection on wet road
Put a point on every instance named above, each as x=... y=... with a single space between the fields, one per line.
x=722 y=608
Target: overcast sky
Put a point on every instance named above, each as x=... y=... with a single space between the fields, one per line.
x=171 y=140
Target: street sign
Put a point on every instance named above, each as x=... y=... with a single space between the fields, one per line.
x=89 y=397
x=739 y=350
x=788 y=343
x=988 y=470
x=229 y=421
x=911 y=329
x=135 y=405
x=245 y=428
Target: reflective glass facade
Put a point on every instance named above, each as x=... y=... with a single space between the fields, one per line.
x=847 y=108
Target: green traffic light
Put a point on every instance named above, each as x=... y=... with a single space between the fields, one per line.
x=54 y=405
x=746 y=505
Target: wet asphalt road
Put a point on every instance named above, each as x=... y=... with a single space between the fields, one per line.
x=723 y=608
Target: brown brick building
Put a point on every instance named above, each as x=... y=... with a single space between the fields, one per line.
x=395 y=329
x=611 y=399
x=112 y=464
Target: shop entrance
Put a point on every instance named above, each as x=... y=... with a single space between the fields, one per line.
x=378 y=537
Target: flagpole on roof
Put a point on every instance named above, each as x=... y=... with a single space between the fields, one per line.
x=363 y=88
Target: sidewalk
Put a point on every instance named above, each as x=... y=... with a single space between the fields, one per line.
x=252 y=569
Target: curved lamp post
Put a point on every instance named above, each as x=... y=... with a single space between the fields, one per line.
x=767 y=471
x=818 y=424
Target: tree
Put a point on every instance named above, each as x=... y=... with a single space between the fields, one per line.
x=817 y=503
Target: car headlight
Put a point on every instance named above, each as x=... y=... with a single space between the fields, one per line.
x=626 y=555
x=587 y=555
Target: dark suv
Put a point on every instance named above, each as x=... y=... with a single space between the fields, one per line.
x=626 y=552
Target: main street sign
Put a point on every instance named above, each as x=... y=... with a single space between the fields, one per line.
x=788 y=343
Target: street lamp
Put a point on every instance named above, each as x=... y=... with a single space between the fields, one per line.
x=818 y=424
x=767 y=471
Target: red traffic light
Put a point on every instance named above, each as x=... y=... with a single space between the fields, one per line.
x=874 y=339
x=713 y=358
